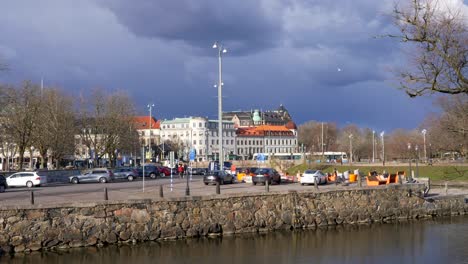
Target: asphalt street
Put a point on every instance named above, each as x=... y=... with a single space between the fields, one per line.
x=91 y=192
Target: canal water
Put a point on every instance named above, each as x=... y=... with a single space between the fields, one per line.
x=433 y=241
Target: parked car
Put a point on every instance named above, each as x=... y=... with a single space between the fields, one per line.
x=215 y=176
x=263 y=175
x=125 y=174
x=198 y=171
x=249 y=173
x=3 y=184
x=310 y=176
x=28 y=179
x=95 y=175
x=151 y=171
x=164 y=171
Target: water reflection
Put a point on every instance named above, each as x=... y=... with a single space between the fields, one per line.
x=442 y=241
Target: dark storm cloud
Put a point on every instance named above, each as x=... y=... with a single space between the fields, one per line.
x=244 y=25
x=318 y=58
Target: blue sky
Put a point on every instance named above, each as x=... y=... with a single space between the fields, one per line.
x=280 y=52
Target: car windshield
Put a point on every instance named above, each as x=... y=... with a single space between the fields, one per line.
x=310 y=171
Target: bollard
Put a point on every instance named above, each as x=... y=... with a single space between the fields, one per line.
x=359 y=180
x=218 y=188
x=315 y=183
x=267 y=186
x=161 y=193
x=187 y=188
x=446 y=188
x=106 y=197
x=31 y=197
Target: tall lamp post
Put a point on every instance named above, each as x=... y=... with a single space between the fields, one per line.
x=150 y=109
x=373 y=146
x=221 y=51
x=382 y=135
x=350 y=148
x=424 y=131
x=410 y=170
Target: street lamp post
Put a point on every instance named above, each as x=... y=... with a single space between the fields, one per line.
x=409 y=155
x=221 y=50
x=424 y=131
x=382 y=135
x=373 y=146
x=150 y=108
x=350 y=148
x=417 y=160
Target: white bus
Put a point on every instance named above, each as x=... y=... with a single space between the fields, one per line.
x=329 y=156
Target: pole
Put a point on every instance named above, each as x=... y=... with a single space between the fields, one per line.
x=220 y=110
x=351 y=149
x=323 y=150
x=383 y=150
x=373 y=146
x=143 y=166
x=150 y=125
x=424 y=139
x=161 y=193
x=417 y=162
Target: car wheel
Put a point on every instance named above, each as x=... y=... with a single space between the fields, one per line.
x=2 y=188
x=75 y=180
x=102 y=180
x=254 y=183
x=130 y=178
x=162 y=175
x=29 y=184
x=152 y=176
x=302 y=184
x=279 y=181
x=205 y=183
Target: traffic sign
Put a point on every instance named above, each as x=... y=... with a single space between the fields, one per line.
x=192 y=155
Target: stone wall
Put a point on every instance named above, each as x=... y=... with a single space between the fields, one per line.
x=35 y=227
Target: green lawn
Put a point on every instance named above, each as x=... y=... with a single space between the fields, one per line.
x=436 y=173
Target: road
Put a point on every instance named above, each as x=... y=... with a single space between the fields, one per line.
x=91 y=192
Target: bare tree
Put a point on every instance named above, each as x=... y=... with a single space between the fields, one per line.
x=310 y=134
x=19 y=115
x=438 y=38
x=106 y=124
x=55 y=127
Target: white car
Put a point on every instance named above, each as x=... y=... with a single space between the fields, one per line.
x=25 y=179
x=310 y=176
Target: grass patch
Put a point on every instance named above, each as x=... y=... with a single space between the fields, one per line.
x=436 y=173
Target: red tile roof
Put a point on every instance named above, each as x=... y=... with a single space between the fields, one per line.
x=261 y=130
x=143 y=122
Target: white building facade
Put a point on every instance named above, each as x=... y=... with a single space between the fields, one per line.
x=199 y=134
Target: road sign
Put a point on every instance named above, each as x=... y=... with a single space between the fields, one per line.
x=192 y=155
x=261 y=157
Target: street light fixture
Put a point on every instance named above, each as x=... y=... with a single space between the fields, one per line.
x=221 y=51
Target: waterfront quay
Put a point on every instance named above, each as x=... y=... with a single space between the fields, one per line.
x=133 y=216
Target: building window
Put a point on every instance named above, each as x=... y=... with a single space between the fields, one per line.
x=194 y=142
x=232 y=141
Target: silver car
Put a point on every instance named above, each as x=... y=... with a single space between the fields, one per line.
x=125 y=174
x=218 y=176
x=95 y=175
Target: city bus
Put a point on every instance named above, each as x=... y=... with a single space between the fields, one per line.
x=328 y=156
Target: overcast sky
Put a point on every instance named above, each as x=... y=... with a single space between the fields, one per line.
x=318 y=58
